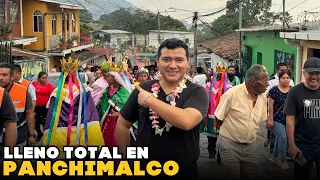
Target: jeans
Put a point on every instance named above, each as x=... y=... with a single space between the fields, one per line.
x=311 y=152
x=280 y=143
x=272 y=140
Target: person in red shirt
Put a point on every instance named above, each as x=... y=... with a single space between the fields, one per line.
x=43 y=92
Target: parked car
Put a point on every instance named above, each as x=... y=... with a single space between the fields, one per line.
x=53 y=78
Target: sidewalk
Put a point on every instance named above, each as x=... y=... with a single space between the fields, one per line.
x=209 y=169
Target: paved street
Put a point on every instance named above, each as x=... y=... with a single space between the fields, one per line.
x=209 y=169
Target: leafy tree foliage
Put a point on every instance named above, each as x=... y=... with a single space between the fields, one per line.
x=253 y=12
x=139 y=21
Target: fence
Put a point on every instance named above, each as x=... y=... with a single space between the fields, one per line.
x=5 y=52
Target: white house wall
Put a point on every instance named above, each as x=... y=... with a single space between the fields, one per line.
x=153 y=38
x=114 y=39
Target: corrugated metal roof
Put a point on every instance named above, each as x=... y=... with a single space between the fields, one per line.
x=293 y=27
x=23 y=53
x=61 y=3
x=115 y=31
x=171 y=32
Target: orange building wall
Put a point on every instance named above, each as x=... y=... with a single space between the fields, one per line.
x=31 y=6
x=28 y=9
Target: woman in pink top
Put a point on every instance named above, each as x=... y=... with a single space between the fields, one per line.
x=43 y=92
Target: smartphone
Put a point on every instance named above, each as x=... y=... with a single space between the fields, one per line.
x=300 y=159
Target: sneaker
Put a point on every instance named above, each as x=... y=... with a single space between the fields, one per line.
x=284 y=166
x=275 y=160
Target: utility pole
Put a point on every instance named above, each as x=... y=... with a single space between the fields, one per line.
x=265 y=12
x=284 y=14
x=159 y=38
x=240 y=37
x=195 y=22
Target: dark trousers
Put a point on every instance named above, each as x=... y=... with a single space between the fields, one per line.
x=311 y=152
x=41 y=114
x=212 y=141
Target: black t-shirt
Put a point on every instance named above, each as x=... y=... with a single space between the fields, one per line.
x=279 y=102
x=7 y=111
x=177 y=144
x=304 y=104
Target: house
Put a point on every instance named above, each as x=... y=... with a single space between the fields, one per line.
x=263 y=45
x=114 y=38
x=307 y=43
x=11 y=21
x=153 y=37
x=57 y=28
x=12 y=32
x=224 y=49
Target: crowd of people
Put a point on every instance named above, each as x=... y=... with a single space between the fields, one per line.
x=165 y=108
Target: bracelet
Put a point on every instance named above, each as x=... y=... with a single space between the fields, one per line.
x=145 y=100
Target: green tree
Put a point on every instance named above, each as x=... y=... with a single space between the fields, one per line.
x=252 y=10
x=139 y=21
x=85 y=15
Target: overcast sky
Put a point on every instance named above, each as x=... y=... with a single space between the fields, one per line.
x=208 y=6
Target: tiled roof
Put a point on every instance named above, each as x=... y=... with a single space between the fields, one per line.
x=101 y=51
x=227 y=47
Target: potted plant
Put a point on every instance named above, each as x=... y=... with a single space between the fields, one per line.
x=63 y=45
x=70 y=43
x=7 y=30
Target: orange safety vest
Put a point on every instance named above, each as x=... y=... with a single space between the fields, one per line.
x=18 y=94
x=25 y=83
x=1 y=95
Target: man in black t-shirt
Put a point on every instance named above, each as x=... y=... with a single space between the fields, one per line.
x=8 y=119
x=302 y=111
x=173 y=132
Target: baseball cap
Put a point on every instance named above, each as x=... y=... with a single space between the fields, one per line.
x=312 y=65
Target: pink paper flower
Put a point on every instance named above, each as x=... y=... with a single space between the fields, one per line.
x=155 y=122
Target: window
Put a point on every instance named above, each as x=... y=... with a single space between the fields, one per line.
x=259 y=58
x=67 y=17
x=119 y=41
x=2 y=12
x=73 y=23
x=54 y=25
x=13 y=4
x=187 y=41
x=37 y=21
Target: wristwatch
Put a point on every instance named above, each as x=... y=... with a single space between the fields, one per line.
x=32 y=135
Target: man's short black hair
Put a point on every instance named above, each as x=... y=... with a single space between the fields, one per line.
x=6 y=65
x=173 y=43
x=281 y=64
x=17 y=68
x=199 y=70
x=231 y=67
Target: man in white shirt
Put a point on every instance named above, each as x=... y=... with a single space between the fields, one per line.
x=18 y=78
x=200 y=78
x=274 y=81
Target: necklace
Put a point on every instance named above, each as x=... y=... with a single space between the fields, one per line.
x=170 y=98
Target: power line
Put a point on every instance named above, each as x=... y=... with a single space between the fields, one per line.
x=297 y=5
x=223 y=9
